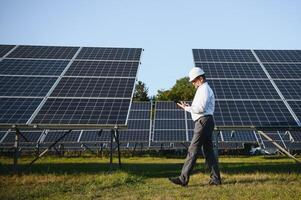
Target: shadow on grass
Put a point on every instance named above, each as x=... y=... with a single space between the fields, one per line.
x=149 y=170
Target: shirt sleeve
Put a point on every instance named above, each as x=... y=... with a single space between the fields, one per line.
x=199 y=102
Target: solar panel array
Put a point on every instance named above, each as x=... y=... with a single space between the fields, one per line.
x=58 y=87
x=253 y=88
x=170 y=123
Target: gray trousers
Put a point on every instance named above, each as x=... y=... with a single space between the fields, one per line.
x=202 y=137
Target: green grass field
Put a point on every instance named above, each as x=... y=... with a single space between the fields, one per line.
x=146 y=178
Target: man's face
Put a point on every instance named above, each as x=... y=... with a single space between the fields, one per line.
x=197 y=82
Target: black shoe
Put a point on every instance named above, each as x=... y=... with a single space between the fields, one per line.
x=211 y=182
x=177 y=181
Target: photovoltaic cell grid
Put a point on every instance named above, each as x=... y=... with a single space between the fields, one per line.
x=97 y=89
x=284 y=66
x=169 y=123
x=138 y=127
x=245 y=96
x=4 y=49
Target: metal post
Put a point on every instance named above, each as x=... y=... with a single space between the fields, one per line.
x=111 y=148
x=278 y=146
x=16 y=151
x=118 y=145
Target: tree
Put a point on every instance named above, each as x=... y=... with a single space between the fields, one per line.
x=183 y=90
x=141 y=92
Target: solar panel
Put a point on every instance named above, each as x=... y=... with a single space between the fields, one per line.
x=223 y=55
x=32 y=67
x=25 y=86
x=83 y=111
x=247 y=95
x=101 y=53
x=170 y=135
x=284 y=70
x=296 y=135
x=17 y=110
x=31 y=136
x=49 y=52
x=260 y=114
x=94 y=87
x=289 y=88
x=239 y=136
x=103 y=68
x=4 y=49
x=232 y=70
x=296 y=106
x=94 y=136
x=134 y=135
x=53 y=136
x=66 y=92
x=279 y=55
x=139 y=123
x=169 y=123
x=243 y=89
x=2 y=133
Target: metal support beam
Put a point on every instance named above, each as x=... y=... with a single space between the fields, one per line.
x=118 y=145
x=111 y=148
x=48 y=148
x=279 y=147
x=86 y=146
x=16 y=151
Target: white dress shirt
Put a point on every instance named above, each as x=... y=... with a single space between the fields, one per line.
x=203 y=102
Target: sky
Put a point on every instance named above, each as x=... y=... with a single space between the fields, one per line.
x=167 y=30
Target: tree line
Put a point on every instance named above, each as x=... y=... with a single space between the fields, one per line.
x=183 y=90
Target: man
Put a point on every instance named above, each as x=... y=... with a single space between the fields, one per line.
x=201 y=110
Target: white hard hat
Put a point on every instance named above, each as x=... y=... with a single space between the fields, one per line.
x=195 y=72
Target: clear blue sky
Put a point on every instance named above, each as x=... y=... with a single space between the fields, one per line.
x=166 y=29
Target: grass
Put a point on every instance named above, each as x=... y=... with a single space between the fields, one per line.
x=146 y=178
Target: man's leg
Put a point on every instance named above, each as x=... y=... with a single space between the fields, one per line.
x=211 y=161
x=191 y=157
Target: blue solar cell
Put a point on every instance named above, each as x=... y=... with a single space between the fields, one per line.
x=32 y=67
x=25 y=86
x=253 y=113
x=141 y=114
x=138 y=124
x=170 y=124
x=239 y=136
x=102 y=53
x=232 y=70
x=296 y=135
x=144 y=105
x=296 y=106
x=134 y=135
x=103 y=68
x=31 y=136
x=284 y=71
x=94 y=87
x=291 y=89
x=4 y=49
x=49 y=52
x=170 y=135
x=95 y=136
x=223 y=55
x=166 y=105
x=243 y=89
x=17 y=110
x=279 y=55
x=83 y=111
x=53 y=136
x=170 y=114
